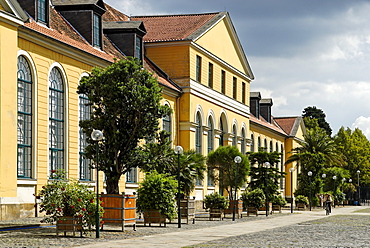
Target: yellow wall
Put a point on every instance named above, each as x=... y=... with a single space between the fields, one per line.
x=219 y=40
x=8 y=110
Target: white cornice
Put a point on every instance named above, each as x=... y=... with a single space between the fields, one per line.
x=9 y=19
x=62 y=48
x=217 y=98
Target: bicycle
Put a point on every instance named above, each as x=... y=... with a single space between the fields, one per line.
x=327 y=207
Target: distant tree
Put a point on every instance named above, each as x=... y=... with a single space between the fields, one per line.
x=222 y=162
x=355 y=148
x=315 y=113
x=125 y=101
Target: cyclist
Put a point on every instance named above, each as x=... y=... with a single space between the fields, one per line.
x=327 y=200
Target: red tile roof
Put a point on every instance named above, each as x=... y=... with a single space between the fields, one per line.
x=273 y=125
x=286 y=123
x=172 y=27
x=113 y=15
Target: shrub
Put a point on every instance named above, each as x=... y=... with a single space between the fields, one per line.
x=216 y=201
x=301 y=199
x=278 y=200
x=157 y=192
x=65 y=197
x=254 y=198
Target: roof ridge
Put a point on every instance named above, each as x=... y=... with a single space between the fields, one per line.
x=174 y=15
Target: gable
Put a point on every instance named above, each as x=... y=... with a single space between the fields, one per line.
x=222 y=41
x=13 y=9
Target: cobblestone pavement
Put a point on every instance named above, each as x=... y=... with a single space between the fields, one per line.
x=334 y=231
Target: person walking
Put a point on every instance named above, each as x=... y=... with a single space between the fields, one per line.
x=328 y=200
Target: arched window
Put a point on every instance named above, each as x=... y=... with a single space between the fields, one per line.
x=259 y=143
x=210 y=135
x=277 y=147
x=56 y=120
x=235 y=137
x=265 y=144
x=198 y=134
x=271 y=146
x=24 y=125
x=167 y=125
x=221 y=140
x=252 y=143
x=84 y=114
x=243 y=141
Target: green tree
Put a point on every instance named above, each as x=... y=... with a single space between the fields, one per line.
x=125 y=101
x=315 y=113
x=265 y=178
x=159 y=156
x=355 y=148
x=316 y=152
x=224 y=170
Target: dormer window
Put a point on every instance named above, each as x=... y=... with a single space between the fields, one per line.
x=41 y=10
x=96 y=31
x=138 y=45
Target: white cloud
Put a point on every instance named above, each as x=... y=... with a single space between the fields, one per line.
x=132 y=7
x=363 y=123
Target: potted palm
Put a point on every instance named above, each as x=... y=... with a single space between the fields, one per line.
x=68 y=203
x=253 y=200
x=216 y=204
x=156 y=198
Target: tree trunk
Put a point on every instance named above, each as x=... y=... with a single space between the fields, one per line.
x=112 y=183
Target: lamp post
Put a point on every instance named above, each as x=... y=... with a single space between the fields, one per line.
x=97 y=135
x=351 y=197
x=323 y=177
x=334 y=178
x=309 y=177
x=178 y=150
x=343 y=181
x=358 y=185
x=237 y=160
x=266 y=165
x=291 y=188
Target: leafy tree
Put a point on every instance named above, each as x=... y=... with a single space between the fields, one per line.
x=355 y=148
x=222 y=161
x=315 y=113
x=159 y=156
x=261 y=176
x=125 y=101
x=316 y=152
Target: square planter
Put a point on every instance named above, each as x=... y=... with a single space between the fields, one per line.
x=252 y=210
x=69 y=224
x=154 y=216
x=215 y=214
x=238 y=210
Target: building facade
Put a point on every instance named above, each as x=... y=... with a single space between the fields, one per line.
x=47 y=46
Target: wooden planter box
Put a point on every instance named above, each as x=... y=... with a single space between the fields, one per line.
x=119 y=209
x=154 y=216
x=264 y=207
x=215 y=214
x=238 y=210
x=300 y=206
x=69 y=224
x=276 y=208
x=187 y=209
x=252 y=210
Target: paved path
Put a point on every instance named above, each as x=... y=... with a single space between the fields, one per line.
x=192 y=237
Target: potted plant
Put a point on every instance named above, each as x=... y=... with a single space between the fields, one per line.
x=301 y=202
x=253 y=200
x=216 y=204
x=156 y=198
x=278 y=202
x=67 y=202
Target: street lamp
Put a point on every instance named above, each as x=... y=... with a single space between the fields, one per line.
x=266 y=165
x=358 y=185
x=334 y=178
x=237 y=160
x=291 y=188
x=97 y=135
x=178 y=150
x=309 y=177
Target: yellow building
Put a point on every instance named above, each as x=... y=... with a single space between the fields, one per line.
x=47 y=46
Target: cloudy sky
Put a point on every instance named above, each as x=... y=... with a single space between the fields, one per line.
x=302 y=52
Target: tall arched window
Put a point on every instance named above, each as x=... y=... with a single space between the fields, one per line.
x=84 y=163
x=235 y=137
x=271 y=146
x=243 y=141
x=252 y=143
x=265 y=144
x=210 y=135
x=198 y=133
x=56 y=120
x=167 y=124
x=259 y=143
x=24 y=125
x=221 y=140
